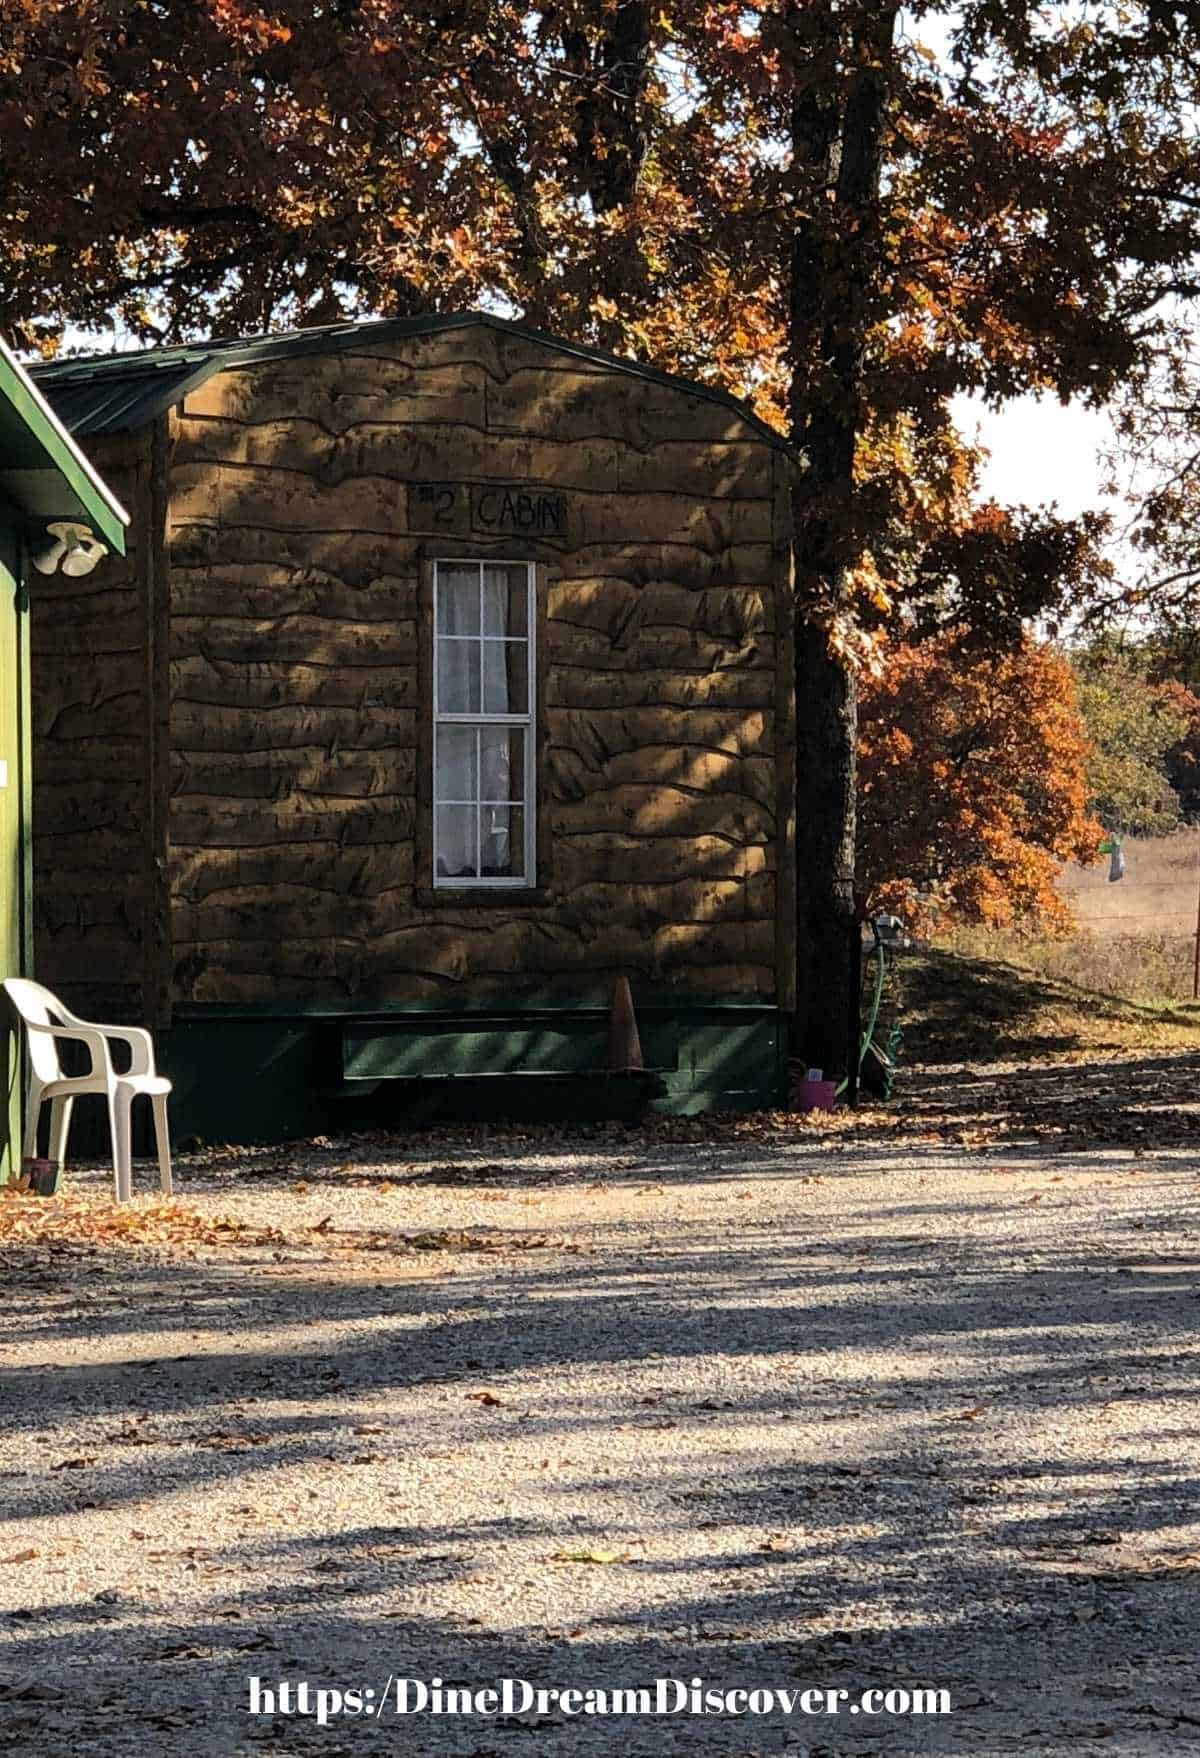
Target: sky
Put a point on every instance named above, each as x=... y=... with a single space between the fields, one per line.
x=1042 y=454
x=1040 y=451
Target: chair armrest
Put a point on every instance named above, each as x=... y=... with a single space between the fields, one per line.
x=140 y=1043
x=89 y=1035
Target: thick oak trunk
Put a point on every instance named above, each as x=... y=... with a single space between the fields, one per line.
x=837 y=137
x=826 y=731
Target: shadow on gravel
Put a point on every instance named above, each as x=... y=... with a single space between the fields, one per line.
x=186 y=1408
x=1033 y=1661
x=929 y=1536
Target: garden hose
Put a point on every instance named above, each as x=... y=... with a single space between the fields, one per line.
x=877 y=951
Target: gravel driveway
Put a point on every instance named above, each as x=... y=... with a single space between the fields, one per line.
x=771 y=1411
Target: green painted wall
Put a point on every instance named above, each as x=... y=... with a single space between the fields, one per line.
x=14 y=829
x=257 y=1076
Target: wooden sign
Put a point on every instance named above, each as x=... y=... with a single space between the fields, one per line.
x=486 y=509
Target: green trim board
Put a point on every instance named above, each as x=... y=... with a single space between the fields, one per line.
x=13 y=841
x=550 y=1003
x=42 y=470
x=111 y=393
x=25 y=765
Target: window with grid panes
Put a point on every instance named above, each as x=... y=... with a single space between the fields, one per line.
x=483 y=793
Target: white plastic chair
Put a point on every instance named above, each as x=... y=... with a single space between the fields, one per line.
x=46 y=1020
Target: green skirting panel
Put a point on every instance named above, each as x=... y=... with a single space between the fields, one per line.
x=244 y=1075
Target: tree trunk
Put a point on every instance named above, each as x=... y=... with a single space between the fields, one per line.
x=826 y=733
x=837 y=138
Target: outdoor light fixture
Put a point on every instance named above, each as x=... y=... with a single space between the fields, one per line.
x=70 y=547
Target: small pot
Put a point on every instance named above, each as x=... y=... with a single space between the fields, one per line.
x=43 y=1176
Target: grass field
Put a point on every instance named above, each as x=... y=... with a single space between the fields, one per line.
x=1155 y=901
x=963 y=1005
x=1121 y=981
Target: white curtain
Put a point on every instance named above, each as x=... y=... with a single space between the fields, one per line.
x=478 y=768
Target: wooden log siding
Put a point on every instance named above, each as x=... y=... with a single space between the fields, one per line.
x=91 y=683
x=295 y=610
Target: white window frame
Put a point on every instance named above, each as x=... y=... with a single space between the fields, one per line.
x=528 y=880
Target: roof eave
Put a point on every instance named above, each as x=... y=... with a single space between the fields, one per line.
x=227 y=357
x=60 y=480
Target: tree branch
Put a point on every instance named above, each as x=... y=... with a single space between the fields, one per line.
x=185 y=214
x=610 y=130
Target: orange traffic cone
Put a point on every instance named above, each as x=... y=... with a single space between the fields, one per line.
x=624 y=1044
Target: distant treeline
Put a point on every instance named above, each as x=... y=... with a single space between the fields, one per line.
x=1140 y=701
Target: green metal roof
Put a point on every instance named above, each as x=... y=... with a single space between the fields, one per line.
x=42 y=471
x=112 y=393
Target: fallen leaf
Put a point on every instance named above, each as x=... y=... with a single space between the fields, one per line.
x=590 y=1556
x=225 y=1441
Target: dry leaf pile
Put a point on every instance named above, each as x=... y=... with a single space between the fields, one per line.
x=92 y=1223
x=446 y=1239
x=88 y=1220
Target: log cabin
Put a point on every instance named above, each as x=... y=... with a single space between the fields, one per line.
x=446 y=681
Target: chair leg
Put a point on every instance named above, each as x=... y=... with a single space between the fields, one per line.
x=33 y=1112
x=119 y=1103
x=163 y=1142
x=60 y=1127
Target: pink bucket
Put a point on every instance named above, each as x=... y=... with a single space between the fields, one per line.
x=816 y=1095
